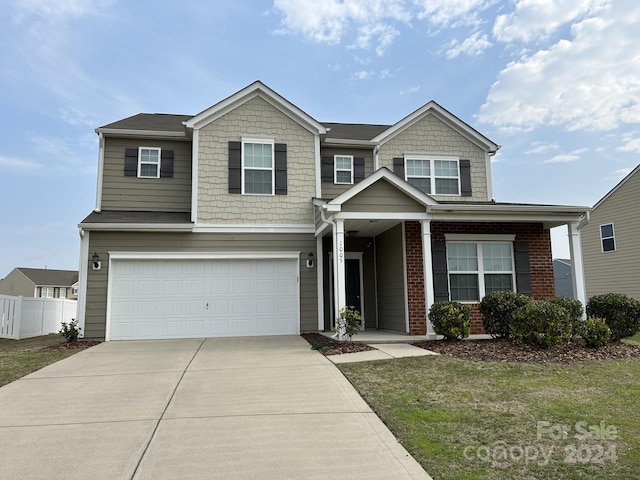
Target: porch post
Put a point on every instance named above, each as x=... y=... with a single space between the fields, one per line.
x=427 y=264
x=575 y=247
x=339 y=271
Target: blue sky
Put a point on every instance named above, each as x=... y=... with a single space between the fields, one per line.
x=556 y=83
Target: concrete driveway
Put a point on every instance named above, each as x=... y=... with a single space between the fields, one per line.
x=233 y=408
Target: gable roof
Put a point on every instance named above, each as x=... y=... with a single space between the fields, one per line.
x=618 y=186
x=148 y=124
x=353 y=131
x=51 y=278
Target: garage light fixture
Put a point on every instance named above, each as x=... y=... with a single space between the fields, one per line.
x=97 y=265
x=310 y=260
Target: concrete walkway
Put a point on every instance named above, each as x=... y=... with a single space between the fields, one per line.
x=235 y=408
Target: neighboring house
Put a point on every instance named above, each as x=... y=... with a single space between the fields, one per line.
x=254 y=218
x=38 y=282
x=563 y=277
x=610 y=241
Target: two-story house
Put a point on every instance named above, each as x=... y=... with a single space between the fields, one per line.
x=253 y=218
x=40 y=282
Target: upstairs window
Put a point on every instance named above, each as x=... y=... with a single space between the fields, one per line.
x=607 y=237
x=433 y=175
x=343 y=169
x=148 y=162
x=257 y=167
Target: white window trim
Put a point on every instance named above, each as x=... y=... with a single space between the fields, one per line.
x=267 y=141
x=613 y=236
x=47 y=289
x=481 y=272
x=60 y=292
x=140 y=162
x=432 y=177
x=336 y=170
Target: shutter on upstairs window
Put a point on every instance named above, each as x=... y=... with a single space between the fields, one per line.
x=440 y=273
x=166 y=163
x=465 y=178
x=235 y=167
x=131 y=162
x=358 y=169
x=280 y=150
x=523 y=270
x=327 y=169
x=398 y=167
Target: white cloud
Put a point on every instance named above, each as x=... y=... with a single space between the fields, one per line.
x=619 y=174
x=588 y=82
x=452 y=12
x=473 y=45
x=55 y=10
x=20 y=164
x=542 y=147
x=631 y=145
x=362 y=75
x=563 y=158
x=410 y=90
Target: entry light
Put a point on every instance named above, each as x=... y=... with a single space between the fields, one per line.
x=310 y=260
x=96 y=261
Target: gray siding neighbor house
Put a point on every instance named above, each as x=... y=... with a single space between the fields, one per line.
x=563 y=277
x=254 y=218
x=610 y=241
x=40 y=282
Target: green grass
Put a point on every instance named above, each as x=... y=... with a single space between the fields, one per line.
x=21 y=357
x=634 y=339
x=441 y=407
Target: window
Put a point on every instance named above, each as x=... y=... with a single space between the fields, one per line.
x=343 y=169
x=476 y=269
x=148 y=162
x=433 y=175
x=46 y=292
x=257 y=167
x=607 y=238
x=62 y=293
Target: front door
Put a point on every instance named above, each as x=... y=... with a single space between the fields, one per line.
x=352 y=273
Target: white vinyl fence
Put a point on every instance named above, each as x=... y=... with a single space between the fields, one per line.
x=23 y=317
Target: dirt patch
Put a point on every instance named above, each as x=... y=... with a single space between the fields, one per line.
x=501 y=350
x=328 y=346
x=79 y=345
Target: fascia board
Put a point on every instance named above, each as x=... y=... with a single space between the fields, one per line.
x=345 y=142
x=138 y=227
x=142 y=133
x=615 y=189
x=253 y=228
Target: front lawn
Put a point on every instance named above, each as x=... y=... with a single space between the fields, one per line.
x=465 y=419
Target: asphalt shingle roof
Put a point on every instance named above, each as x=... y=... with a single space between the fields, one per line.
x=51 y=278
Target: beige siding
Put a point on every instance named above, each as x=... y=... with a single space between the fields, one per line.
x=255 y=118
x=614 y=271
x=432 y=136
x=382 y=197
x=166 y=194
x=17 y=284
x=329 y=189
x=102 y=242
x=390 y=274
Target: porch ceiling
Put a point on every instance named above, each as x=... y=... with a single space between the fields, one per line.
x=369 y=228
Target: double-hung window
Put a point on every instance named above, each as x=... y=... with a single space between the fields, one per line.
x=607 y=238
x=478 y=268
x=46 y=292
x=148 y=162
x=433 y=174
x=343 y=169
x=257 y=167
x=62 y=293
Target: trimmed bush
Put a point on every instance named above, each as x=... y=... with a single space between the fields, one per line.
x=70 y=331
x=595 y=332
x=574 y=310
x=541 y=323
x=348 y=322
x=451 y=319
x=620 y=312
x=497 y=311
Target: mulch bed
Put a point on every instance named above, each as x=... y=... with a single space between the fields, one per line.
x=328 y=346
x=501 y=350
x=78 y=345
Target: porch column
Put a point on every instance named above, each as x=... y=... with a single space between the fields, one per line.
x=575 y=247
x=339 y=271
x=427 y=265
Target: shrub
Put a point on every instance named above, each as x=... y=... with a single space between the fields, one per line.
x=595 y=332
x=497 y=311
x=542 y=323
x=451 y=319
x=70 y=330
x=620 y=312
x=348 y=322
x=574 y=310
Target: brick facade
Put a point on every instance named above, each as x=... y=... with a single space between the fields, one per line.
x=540 y=261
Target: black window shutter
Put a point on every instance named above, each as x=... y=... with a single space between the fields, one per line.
x=398 y=167
x=131 y=162
x=280 y=150
x=465 y=178
x=358 y=169
x=166 y=163
x=523 y=270
x=440 y=274
x=327 y=169
x=235 y=167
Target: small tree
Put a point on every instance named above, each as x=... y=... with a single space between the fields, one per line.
x=70 y=330
x=348 y=322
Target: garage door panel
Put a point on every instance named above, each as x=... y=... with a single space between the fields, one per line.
x=200 y=297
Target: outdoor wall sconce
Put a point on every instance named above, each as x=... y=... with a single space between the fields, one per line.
x=97 y=265
x=310 y=260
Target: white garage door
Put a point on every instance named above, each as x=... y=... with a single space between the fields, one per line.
x=152 y=299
